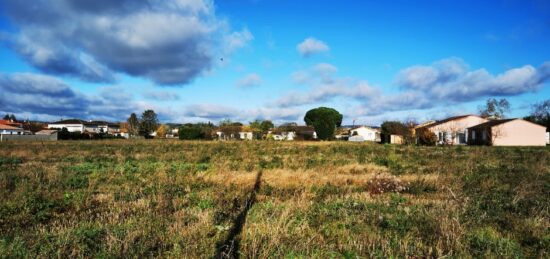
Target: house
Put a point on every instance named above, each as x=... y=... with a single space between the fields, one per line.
x=364 y=133
x=11 y=123
x=508 y=132
x=72 y=125
x=10 y=130
x=453 y=130
x=294 y=133
x=75 y=125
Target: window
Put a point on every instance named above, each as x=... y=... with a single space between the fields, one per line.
x=484 y=135
x=473 y=134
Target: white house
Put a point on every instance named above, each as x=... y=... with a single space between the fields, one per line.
x=75 y=125
x=364 y=133
x=70 y=125
x=294 y=133
x=10 y=130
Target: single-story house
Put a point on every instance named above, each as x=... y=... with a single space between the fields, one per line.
x=364 y=133
x=453 y=130
x=75 y=125
x=507 y=132
x=294 y=133
x=10 y=130
x=11 y=123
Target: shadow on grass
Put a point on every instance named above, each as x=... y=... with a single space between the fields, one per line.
x=230 y=247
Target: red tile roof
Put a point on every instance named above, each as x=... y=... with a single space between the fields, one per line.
x=8 y=127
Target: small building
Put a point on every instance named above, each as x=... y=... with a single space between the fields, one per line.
x=11 y=123
x=294 y=133
x=10 y=130
x=507 y=132
x=364 y=133
x=453 y=130
x=76 y=125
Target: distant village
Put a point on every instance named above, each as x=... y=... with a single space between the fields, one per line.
x=466 y=129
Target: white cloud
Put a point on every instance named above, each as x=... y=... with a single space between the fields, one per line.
x=250 y=80
x=161 y=95
x=311 y=46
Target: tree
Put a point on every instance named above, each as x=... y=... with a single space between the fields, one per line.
x=260 y=127
x=540 y=114
x=162 y=130
x=149 y=123
x=266 y=126
x=494 y=109
x=196 y=131
x=324 y=120
x=6 y=117
x=133 y=124
x=12 y=118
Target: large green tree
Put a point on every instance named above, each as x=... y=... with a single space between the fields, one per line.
x=149 y=123
x=324 y=120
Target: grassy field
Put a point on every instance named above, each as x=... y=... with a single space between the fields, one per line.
x=272 y=199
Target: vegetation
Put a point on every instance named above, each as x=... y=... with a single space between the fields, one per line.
x=541 y=114
x=196 y=131
x=495 y=109
x=189 y=199
x=324 y=120
x=148 y=123
x=10 y=117
x=133 y=124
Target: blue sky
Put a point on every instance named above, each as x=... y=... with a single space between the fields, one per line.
x=200 y=60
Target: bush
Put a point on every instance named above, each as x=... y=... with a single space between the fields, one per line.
x=426 y=137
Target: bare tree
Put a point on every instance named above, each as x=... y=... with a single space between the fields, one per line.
x=494 y=109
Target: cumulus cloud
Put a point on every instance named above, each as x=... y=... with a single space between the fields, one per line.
x=219 y=112
x=209 y=111
x=311 y=46
x=237 y=40
x=161 y=95
x=323 y=72
x=42 y=95
x=450 y=80
x=323 y=93
x=445 y=82
x=169 y=42
x=250 y=80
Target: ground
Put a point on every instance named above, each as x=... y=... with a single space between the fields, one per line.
x=170 y=198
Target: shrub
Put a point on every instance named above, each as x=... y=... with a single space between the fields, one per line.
x=384 y=183
x=426 y=137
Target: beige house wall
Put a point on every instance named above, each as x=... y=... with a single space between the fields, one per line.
x=456 y=126
x=459 y=124
x=518 y=133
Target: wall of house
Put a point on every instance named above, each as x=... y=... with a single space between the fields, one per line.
x=367 y=134
x=456 y=126
x=518 y=133
x=69 y=127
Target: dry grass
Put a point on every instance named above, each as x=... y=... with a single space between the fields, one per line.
x=314 y=199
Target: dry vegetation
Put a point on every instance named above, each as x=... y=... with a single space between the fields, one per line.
x=271 y=199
